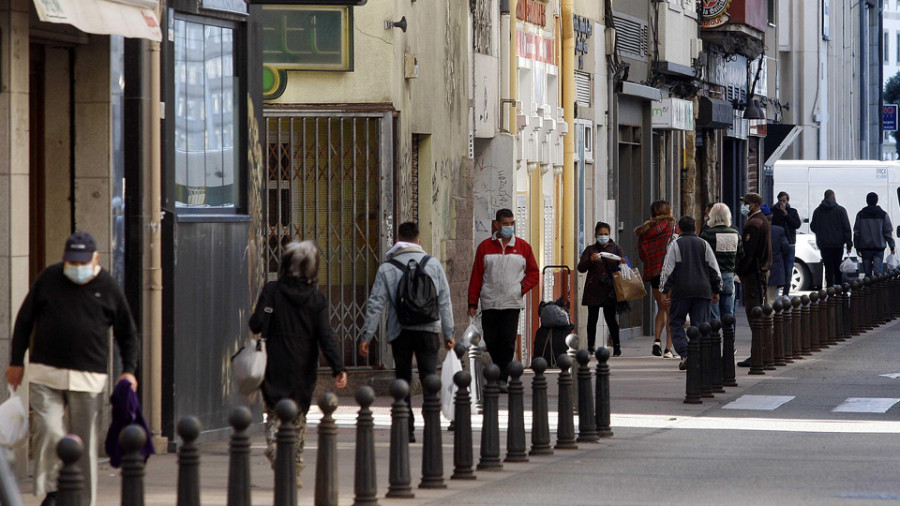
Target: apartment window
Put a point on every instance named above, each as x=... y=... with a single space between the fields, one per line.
x=207 y=167
x=885 y=49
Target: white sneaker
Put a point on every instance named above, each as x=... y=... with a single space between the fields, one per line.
x=670 y=354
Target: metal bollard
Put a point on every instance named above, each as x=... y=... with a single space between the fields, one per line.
x=814 y=331
x=756 y=345
x=868 y=304
x=70 y=482
x=859 y=301
x=476 y=369
x=516 y=450
x=326 y=458
x=9 y=487
x=601 y=399
x=463 y=458
x=587 y=422
x=831 y=315
x=132 y=439
x=565 y=428
x=398 y=468
x=460 y=349
x=716 y=345
x=188 y=462
x=846 y=317
x=839 y=314
x=490 y=425
x=728 y=372
x=432 y=448
x=805 y=325
x=787 y=331
x=540 y=423
x=365 y=483
x=823 y=319
x=768 y=339
x=239 y=458
x=705 y=361
x=885 y=317
x=796 y=332
x=286 y=454
x=778 y=334
x=694 y=369
x=572 y=350
x=895 y=301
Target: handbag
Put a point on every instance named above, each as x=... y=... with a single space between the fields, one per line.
x=248 y=365
x=629 y=285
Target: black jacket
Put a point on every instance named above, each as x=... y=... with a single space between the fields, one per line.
x=598 y=285
x=872 y=229
x=71 y=323
x=781 y=251
x=831 y=225
x=299 y=327
x=757 y=245
x=789 y=220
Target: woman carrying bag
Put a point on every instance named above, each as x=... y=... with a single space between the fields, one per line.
x=598 y=261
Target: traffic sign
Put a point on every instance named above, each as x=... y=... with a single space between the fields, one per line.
x=889 y=117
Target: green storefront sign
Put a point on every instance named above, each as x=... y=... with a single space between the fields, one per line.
x=304 y=38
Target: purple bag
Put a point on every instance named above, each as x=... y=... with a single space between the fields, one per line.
x=126 y=410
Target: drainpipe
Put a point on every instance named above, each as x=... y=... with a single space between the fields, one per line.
x=567 y=75
x=863 y=81
x=505 y=76
x=513 y=74
x=153 y=275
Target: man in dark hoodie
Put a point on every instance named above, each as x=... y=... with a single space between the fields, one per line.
x=871 y=234
x=832 y=228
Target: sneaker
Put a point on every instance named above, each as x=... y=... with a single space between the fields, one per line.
x=412 y=437
x=49 y=500
x=503 y=387
x=744 y=363
x=682 y=366
x=592 y=351
x=669 y=354
x=657 y=349
x=617 y=351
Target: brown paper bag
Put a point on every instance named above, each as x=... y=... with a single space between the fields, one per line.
x=629 y=289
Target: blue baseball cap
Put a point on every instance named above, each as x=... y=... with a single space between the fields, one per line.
x=765 y=209
x=80 y=248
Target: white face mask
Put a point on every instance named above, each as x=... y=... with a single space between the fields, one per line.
x=80 y=274
x=745 y=209
x=602 y=239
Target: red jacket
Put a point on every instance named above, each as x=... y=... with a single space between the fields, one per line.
x=653 y=237
x=500 y=277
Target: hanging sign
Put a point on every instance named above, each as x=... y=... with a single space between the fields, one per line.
x=714 y=13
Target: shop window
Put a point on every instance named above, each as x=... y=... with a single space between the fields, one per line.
x=207 y=167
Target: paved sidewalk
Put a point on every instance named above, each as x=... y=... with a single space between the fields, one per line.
x=646 y=392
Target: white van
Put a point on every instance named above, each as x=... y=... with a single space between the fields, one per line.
x=851 y=180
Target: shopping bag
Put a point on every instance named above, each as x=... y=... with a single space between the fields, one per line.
x=849 y=265
x=629 y=286
x=13 y=420
x=248 y=366
x=451 y=366
x=892 y=261
x=471 y=335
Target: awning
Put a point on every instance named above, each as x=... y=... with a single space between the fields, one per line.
x=128 y=18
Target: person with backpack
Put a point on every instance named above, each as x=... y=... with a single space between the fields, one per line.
x=599 y=291
x=413 y=288
x=872 y=233
x=503 y=272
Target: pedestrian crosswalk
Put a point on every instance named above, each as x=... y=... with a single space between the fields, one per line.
x=849 y=405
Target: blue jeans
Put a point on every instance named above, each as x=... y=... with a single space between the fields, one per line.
x=726 y=298
x=872 y=261
x=789 y=270
x=678 y=312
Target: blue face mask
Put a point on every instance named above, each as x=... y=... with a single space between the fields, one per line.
x=745 y=209
x=507 y=231
x=602 y=239
x=79 y=274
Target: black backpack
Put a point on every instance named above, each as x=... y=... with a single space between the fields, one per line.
x=416 y=294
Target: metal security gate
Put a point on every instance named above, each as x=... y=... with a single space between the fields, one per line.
x=329 y=180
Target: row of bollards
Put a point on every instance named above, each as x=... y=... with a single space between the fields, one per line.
x=789 y=330
x=594 y=423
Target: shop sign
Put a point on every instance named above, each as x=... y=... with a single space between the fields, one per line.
x=672 y=114
x=534 y=47
x=714 y=13
x=889 y=117
x=532 y=11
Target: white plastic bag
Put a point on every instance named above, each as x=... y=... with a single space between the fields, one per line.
x=625 y=273
x=451 y=366
x=849 y=266
x=248 y=366
x=892 y=261
x=13 y=420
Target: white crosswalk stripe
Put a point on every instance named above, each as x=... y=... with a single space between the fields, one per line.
x=866 y=405
x=759 y=402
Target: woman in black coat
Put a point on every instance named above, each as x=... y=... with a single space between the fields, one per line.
x=297 y=328
x=598 y=287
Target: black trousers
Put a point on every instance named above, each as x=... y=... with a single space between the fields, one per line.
x=831 y=259
x=754 y=292
x=609 y=314
x=425 y=346
x=501 y=326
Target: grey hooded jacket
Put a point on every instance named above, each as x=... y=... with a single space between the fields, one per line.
x=872 y=230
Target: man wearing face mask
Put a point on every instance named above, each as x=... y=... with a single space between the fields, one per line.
x=503 y=272
x=753 y=267
x=69 y=311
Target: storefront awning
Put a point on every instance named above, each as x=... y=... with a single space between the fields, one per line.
x=128 y=18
